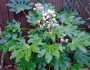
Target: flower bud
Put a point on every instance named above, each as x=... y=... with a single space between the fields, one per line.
x=45 y=14
x=40 y=26
x=52 y=12
x=66 y=40
x=54 y=15
x=47 y=17
x=38 y=4
x=44 y=18
x=47 y=21
x=34 y=8
x=49 y=11
x=35 y=4
x=62 y=40
x=54 y=19
x=41 y=7
x=38 y=21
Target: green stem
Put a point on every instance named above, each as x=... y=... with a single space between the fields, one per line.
x=25 y=36
x=25 y=28
x=24 y=12
x=25 y=31
x=49 y=68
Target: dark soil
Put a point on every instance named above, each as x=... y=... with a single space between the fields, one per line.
x=10 y=67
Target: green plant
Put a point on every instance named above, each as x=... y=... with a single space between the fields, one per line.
x=19 y=5
x=55 y=36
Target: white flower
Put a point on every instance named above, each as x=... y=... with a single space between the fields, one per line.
x=49 y=25
x=62 y=40
x=45 y=14
x=48 y=17
x=41 y=8
x=38 y=4
x=66 y=40
x=54 y=19
x=49 y=11
x=52 y=12
x=35 y=4
x=40 y=26
x=44 y=18
x=38 y=21
x=47 y=21
x=34 y=8
x=54 y=15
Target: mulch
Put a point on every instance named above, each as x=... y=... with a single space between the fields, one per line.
x=10 y=67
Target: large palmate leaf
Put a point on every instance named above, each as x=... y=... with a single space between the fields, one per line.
x=26 y=65
x=69 y=18
x=61 y=63
x=79 y=40
x=20 y=53
x=12 y=31
x=48 y=46
x=41 y=63
x=19 y=5
x=51 y=51
x=82 y=58
x=77 y=67
x=23 y=51
x=33 y=17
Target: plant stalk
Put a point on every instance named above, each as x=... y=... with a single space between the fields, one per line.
x=25 y=36
x=49 y=68
x=24 y=12
x=25 y=28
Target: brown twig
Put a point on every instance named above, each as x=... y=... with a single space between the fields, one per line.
x=24 y=12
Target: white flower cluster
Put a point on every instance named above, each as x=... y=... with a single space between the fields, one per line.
x=48 y=16
x=39 y=8
x=62 y=38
